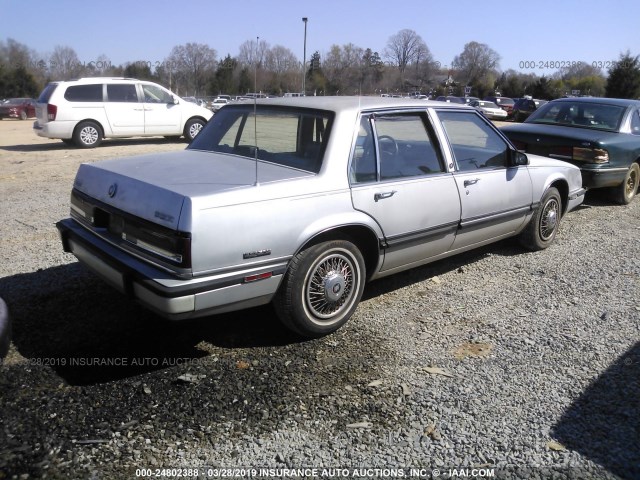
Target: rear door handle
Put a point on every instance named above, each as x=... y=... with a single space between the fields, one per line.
x=471 y=182
x=382 y=196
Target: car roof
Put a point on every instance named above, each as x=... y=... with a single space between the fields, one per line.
x=623 y=102
x=355 y=103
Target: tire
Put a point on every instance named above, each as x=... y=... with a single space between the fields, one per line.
x=627 y=190
x=321 y=288
x=543 y=226
x=192 y=128
x=87 y=135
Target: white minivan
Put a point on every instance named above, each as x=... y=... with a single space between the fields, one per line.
x=84 y=111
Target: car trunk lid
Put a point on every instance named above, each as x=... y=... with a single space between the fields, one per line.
x=154 y=187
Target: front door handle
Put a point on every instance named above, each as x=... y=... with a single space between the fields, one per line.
x=382 y=196
x=471 y=182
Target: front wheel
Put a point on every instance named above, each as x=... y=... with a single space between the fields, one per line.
x=321 y=288
x=543 y=226
x=625 y=192
x=192 y=128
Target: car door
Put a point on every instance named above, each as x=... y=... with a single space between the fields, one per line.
x=495 y=196
x=161 y=115
x=398 y=177
x=125 y=113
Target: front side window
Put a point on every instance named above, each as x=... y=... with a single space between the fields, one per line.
x=291 y=137
x=84 y=93
x=475 y=144
x=155 y=94
x=392 y=146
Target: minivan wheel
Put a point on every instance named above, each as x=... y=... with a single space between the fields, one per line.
x=543 y=226
x=192 y=128
x=321 y=288
x=87 y=135
x=628 y=189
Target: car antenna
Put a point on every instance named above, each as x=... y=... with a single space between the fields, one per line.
x=255 y=110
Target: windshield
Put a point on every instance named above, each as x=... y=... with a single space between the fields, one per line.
x=291 y=137
x=599 y=116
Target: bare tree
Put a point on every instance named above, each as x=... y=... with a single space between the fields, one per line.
x=191 y=66
x=475 y=62
x=64 y=63
x=285 y=69
x=342 y=67
x=406 y=47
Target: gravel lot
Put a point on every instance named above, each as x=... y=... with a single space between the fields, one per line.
x=526 y=363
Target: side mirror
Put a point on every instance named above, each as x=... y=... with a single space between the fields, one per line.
x=174 y=100
x=518 y=158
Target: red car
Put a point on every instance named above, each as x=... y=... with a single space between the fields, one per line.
x=21 y=108
x=504 y=103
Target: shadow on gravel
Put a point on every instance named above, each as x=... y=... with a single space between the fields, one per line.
x=43 y=147
x=66 y=318
x=604 y=423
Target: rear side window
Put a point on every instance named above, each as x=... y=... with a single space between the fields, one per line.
x=47 y=92
x=121 y=93
x=84 y=93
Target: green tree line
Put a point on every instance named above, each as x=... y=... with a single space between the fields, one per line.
x=405 y=65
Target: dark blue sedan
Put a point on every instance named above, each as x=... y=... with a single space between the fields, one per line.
x=599 y=135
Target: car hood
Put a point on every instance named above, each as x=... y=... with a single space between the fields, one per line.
x=554 y=134
x=157 y=187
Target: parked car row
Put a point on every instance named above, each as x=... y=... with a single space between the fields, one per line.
x=21 y=108
x=320 y=195
x=600 y=135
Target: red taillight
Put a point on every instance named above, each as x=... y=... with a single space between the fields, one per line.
x=52 y=111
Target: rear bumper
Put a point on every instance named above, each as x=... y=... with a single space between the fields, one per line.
x=169 y=296
x=602 y=177
x=55 y=129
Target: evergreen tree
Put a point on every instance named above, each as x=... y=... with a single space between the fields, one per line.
x=624 y=78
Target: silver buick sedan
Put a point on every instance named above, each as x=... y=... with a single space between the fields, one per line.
x=300 y=201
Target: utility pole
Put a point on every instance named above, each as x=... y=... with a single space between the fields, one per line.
x=304 y=58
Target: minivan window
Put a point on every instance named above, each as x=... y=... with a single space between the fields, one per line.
x=84 y=93
x=154 y=94
x=47 y=92
x=121 y=92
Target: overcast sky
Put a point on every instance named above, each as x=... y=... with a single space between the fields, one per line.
x=532 y=36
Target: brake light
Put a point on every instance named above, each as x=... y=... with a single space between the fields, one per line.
x=590 y=155
x=52 y=111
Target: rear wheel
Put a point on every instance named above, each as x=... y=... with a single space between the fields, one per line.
x=625 y=192
x=87 y=135
x=322 y=288
x=543 y=226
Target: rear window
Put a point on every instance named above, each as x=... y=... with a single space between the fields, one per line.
x=599 y=116
x=84 y=93
x=47 y=92
x=291 y=137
